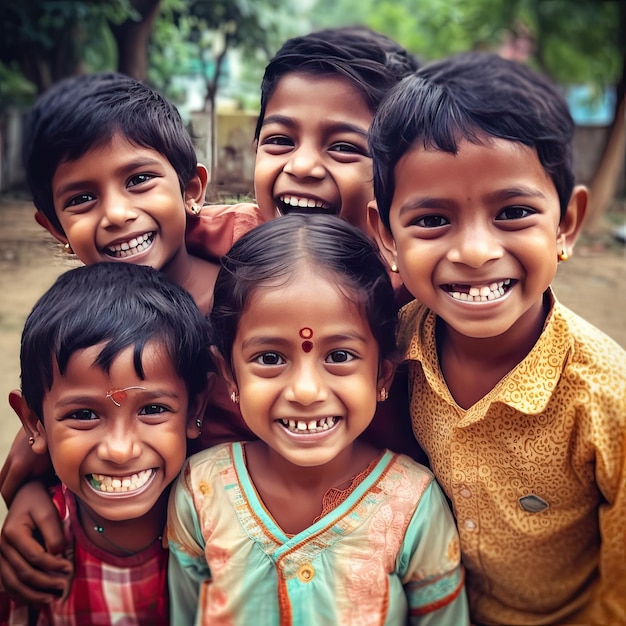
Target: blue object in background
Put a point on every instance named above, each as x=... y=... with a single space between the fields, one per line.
x=589 y=108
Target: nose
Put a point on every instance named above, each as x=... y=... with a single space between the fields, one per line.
x=120 y=444
x=117 y=210
x=475 y=246
x=305 y=162
x=306 y=385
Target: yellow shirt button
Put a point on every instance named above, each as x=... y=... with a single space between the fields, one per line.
x=305 y=573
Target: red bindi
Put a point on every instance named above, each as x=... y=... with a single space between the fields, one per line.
x=306 y=333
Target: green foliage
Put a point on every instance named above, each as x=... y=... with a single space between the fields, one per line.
x=50 y=39
x=574 y=41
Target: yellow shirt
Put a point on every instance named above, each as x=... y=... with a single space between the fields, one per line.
x=535 y=471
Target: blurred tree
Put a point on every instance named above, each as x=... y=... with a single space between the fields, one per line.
x=215 y=27
x=47 y=40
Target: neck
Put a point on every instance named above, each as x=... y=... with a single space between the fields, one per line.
x=124 y=537
x=507 y=349
x=195 y=275
x=266 y=465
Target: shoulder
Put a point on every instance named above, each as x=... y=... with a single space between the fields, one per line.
x=212 y=233
x=405 y=478
x=592 y=350
x=206 y=465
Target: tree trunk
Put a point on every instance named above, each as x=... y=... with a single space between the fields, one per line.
x=604 y=181
x=132 y=39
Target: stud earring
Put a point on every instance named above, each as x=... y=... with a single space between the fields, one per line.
x=394 y=268
x=67 y=249
x=199 y=423
x=563 y=256
x=383 y=394
x=234 y=397
x=31 y=440
x=195 y=209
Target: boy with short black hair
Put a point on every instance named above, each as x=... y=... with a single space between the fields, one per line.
x=518 y=402
x=114 y=362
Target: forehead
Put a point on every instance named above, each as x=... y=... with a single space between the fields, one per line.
x=493 y=167
x=333 y=97
x=307 y=300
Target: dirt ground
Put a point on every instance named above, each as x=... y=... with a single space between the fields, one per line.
x=592 y=285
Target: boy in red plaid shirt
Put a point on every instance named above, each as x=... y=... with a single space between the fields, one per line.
x=114 y=362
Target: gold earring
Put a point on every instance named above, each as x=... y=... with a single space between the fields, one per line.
x=67 y=249
x=234 y=397
x=195 y=209
x=563 y=256
x=394 y=268
x=383 y=394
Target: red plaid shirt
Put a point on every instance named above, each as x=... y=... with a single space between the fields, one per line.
x=106 y=589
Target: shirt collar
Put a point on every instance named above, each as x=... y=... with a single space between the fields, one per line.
x=527 y=388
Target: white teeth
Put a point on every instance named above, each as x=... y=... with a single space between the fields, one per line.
x=112 y=484
x=310 y=203
x=132 y=246
x=313 y=426
x=484 y=293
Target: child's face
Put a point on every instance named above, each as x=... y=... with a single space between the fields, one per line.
x=486 y=222
x=312 y=152
x=306 y=368
x=121 y=202
x=117 y=459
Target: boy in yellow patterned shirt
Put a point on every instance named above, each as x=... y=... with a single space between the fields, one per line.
x=518 y=402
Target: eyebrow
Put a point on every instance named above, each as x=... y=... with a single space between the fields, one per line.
x=87 y=401
x=268 y=340
x=130 y=166
x=335 y=126
x=500 y=195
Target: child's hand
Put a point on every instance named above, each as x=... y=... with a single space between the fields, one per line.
x=21 y=464
x=28 y=571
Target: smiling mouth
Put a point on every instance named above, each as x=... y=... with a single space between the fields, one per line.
x=293 y=204
x=120 y=484
x=302 y=427
x=131 y=247
x=480 y=293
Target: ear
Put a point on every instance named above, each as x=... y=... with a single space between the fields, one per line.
x=42 y=220
x=30 y=422
x=383 y=237
x=197 y=411
x=195 y=191
x=571 y=224
x=386 y=371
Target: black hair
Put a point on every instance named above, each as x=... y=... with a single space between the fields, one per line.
x=271 y=253
x=118 y=305
x=470 y=96
x=369 y=60
x=86 y=111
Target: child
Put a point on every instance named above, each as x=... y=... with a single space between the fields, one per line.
x=362 y=62
x=114 y=361
x=318 y=97
x=308 y=523
x=519 y=403
x=114 y=175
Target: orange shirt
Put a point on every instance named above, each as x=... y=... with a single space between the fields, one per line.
x=535 y=471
